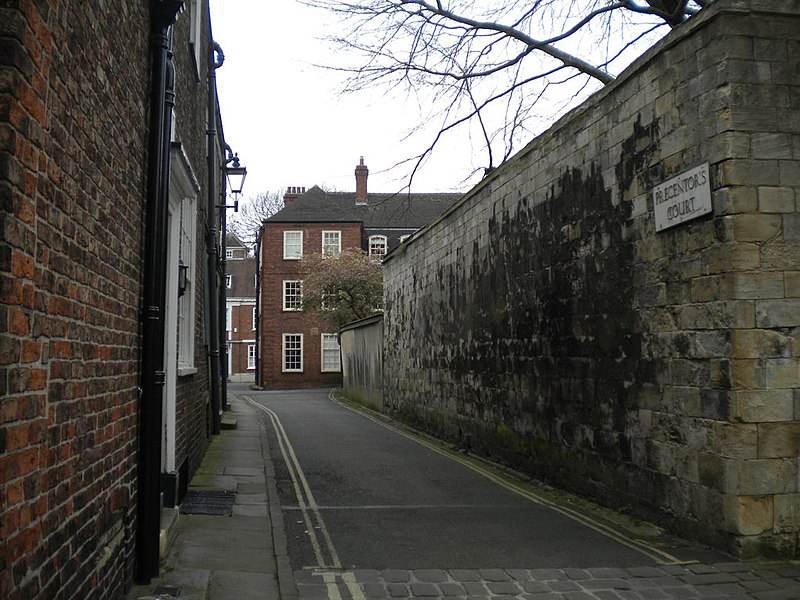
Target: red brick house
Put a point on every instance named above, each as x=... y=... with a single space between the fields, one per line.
x=107 y=205
x=240 y=323
x=296 y=350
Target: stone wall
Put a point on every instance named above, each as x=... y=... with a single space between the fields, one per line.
x=362 y=361
x=543 y=321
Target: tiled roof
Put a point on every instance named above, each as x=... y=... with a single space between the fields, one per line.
x=401 y=210
x=233 y=241
x=244 y=277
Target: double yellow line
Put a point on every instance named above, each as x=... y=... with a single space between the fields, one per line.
x=305 y=498
x=656 y=554
x=330 y=569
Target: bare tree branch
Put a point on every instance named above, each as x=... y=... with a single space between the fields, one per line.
x=487 y=65
x=252 y=212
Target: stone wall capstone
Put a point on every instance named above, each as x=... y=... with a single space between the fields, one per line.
x=544 y=322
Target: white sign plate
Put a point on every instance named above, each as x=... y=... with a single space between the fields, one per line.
x=682 y=198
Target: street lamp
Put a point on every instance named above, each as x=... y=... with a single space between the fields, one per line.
x=234 y=175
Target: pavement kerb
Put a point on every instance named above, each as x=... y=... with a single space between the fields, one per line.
x=189 y=584
x=286 y=584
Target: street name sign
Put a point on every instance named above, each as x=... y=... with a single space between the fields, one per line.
x=682 y=198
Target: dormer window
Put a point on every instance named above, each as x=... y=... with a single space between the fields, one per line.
x=377 y=247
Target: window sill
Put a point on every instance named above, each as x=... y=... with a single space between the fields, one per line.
x=186 y=371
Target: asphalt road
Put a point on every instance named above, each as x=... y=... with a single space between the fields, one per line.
x=357 y=495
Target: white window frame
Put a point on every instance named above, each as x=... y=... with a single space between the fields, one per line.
x=228 y=281
x=385 y=243
x=294 y=255
x=326 y=248
x=228 y=254
x=323 y=349
x=229 y=318
x=255 y=318
x=296 y=299
x=195 y=15
x=294 y=338
x=183 y=191
x=251 y=357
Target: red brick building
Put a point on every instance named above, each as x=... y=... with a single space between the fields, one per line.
x=296 y=350
x=240 y=325
x=107 y=212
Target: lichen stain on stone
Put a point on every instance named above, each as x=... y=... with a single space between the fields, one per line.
x=535 y=330
x=638 y=152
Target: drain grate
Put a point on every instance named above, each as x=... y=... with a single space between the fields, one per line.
x=210 y=502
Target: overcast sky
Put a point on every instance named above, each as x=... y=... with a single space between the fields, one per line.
x=287 y=120
x=285 y=117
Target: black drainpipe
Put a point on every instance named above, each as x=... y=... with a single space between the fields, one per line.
x=223 y=290
x=258 y=306
x=215 y=61
x=162 y=100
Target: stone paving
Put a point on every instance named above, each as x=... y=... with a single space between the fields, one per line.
x=729 y=581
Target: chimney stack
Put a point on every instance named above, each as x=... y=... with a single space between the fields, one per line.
x=361 y=182
x=291 y=193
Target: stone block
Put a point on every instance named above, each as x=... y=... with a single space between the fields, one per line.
x=746 y=118
x=751 y=286
x=764 y=476
x=786 y=513
x=789 y=172
x=735 y=440
x=748 y=374
x=760 y=343
x=705 y=289
x=792 y=279
x=756 y=228
x=734 y=200
x=779 y=440
x=771 y=146
x=731 y=257
x=776 y=199
x=762 y=406
x=791 y=227
x=748 y=515
x=729 y=144
x=770 y=49
x=780 y=256
x=783 y=373
x=710 y=344
x=711 y=470
x=749 y=172
x=778 y=313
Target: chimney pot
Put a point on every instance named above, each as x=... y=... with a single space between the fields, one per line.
x=292 y=193
x=362 y=172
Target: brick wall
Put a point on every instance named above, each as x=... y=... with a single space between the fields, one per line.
x=73 y=134
x=193 y=396
x=544 y=322
x=242 y=336
x=275 y=321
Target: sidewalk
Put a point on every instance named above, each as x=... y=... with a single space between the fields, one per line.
x=241 y=556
